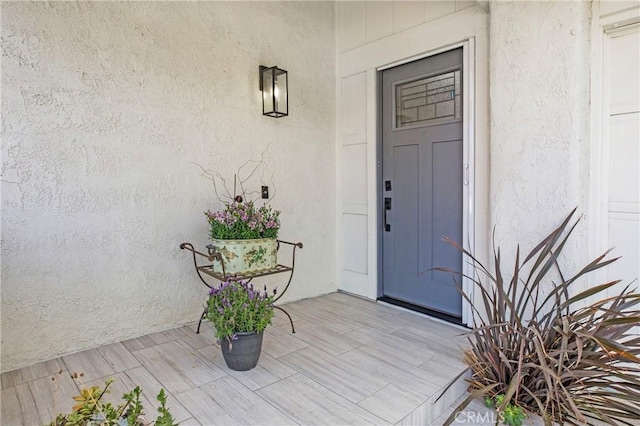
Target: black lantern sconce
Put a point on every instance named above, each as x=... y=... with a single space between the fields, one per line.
x=274 y=85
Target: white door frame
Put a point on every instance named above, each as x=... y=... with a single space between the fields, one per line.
x=602 y=29
x=468 y=153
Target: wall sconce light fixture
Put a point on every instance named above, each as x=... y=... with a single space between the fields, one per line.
x=274 y=85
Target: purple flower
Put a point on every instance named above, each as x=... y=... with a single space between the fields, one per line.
x=237 y=306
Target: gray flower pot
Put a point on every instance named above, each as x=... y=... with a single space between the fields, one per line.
x=243 y=354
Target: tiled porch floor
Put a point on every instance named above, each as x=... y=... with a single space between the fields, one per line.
x=350 y=361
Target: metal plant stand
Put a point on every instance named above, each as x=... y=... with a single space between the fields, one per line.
x=213 y=255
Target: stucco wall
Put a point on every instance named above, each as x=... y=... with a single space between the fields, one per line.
x=104 y=107
x=539 y=97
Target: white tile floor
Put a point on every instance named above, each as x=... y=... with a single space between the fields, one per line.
x=350 y=361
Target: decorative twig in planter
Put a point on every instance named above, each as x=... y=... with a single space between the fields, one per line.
x=241 y=178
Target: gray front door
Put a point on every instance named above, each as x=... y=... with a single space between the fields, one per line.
x=422 y=178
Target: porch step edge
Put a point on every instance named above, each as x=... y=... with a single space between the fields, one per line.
x=432 y=408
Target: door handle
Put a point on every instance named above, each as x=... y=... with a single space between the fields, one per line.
x=387 y=207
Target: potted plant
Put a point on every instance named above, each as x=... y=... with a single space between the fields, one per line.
x=245 y=236
x=90 y=409
x=240 y=313
x=543 y=346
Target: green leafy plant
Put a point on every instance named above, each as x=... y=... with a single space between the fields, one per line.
x=489 y=402
x=512 y=415
x=547 y=348
x=243 y=221
x=236 y=306
x=90 y=410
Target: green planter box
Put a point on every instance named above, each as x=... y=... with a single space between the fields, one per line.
x=246 y=256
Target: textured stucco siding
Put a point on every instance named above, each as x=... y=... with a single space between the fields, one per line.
x=105 y=106
x=539 y=109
